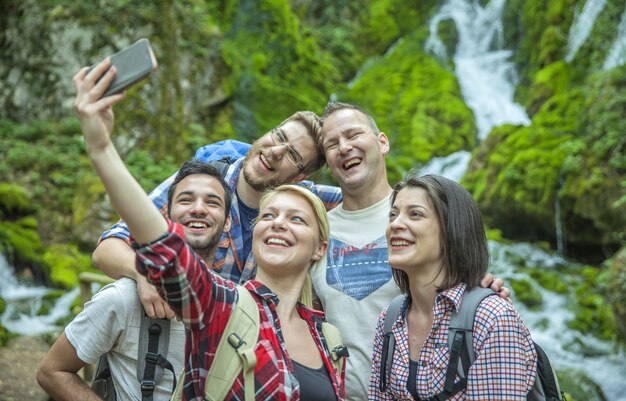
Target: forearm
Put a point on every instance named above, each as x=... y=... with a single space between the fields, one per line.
x=143 y=219
x=115 y=258
x=66 y=386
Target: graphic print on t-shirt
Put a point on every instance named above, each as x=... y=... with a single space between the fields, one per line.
x=357 y=272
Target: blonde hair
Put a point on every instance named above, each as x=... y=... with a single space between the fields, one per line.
x=306 y=294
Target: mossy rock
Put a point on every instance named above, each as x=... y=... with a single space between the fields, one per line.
x=65 y=262
x=3 y=305
x=20 y=242
x=616 y=290
x=577 y=386
x=550 y=280
x=524 y=292
x=592 y=309
x=514 y=175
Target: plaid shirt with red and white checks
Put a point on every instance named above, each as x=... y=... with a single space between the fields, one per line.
x=506 y=360
x=204 y=301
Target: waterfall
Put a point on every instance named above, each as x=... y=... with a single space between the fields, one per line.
x=23 y=303
x=452 y=166
x=581 y=27
x=601 y=361
x=483 y=68
x=617 y=53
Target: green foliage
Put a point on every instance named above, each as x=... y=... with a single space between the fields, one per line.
x=65 y=262
x=424 y=119
x=14 y=201
x=592 y=54
x=539 y=35
x=269 y=52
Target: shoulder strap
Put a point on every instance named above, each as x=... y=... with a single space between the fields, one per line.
x=235 y=351
x=460 y=339
x=220 y=165
x=102 y=383
x=334 y=340
x=389 y=342
x=153 y=344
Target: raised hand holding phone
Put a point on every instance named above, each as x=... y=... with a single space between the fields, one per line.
x=133 y=64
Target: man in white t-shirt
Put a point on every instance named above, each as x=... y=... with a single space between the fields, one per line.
x=356 y=283
x=110 y=322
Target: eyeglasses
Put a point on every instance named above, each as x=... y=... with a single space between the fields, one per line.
x=279 y=139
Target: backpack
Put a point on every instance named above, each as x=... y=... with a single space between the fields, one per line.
x=154 y=336
x=462 y=356
x=235 y=351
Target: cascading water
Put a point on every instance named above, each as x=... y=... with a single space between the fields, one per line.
x=617 y=53
x=486 y=76
x=23 y=303
x=568 y=349
x=581 y=27
x=487 y=79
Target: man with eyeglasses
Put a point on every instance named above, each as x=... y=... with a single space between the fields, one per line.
x=286 y=154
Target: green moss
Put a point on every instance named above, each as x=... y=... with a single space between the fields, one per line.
x=526 y=293
x=425 y=119
x=65 y=262
x=14 y=201
x=2 y=305
x=550 y=280
x=578 y=386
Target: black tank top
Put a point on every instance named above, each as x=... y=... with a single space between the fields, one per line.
x=315 y=384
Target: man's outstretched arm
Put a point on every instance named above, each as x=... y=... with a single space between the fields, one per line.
x=58 y=373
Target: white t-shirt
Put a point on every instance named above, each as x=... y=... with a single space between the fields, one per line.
x=110 y=323
x=355 y=284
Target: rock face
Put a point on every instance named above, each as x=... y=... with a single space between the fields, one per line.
x=18 y=369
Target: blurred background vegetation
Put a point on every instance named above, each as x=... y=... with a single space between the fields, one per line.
x=236 y=68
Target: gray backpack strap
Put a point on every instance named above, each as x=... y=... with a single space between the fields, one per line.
x=460 y=337
x=389 y=342
x=102 y=382
x=154 y=339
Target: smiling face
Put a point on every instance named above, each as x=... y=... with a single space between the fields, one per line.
x=198 y=204
x=266 y=164
x=414 y=233
x=354 y=149
x=286 y=236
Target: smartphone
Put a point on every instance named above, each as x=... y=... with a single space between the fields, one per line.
x=133 y=64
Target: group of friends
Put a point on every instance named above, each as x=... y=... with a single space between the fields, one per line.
x=289 y=241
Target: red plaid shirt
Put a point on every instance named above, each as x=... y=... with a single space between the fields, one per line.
x=204 y=302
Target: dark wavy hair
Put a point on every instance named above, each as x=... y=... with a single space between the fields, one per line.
x=464 y=250
x=195 y=166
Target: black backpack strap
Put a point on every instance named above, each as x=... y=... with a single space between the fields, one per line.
x=546 y=382
x=389 y=342
x=102 y=383
x=154 y=335
x=460 y=341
